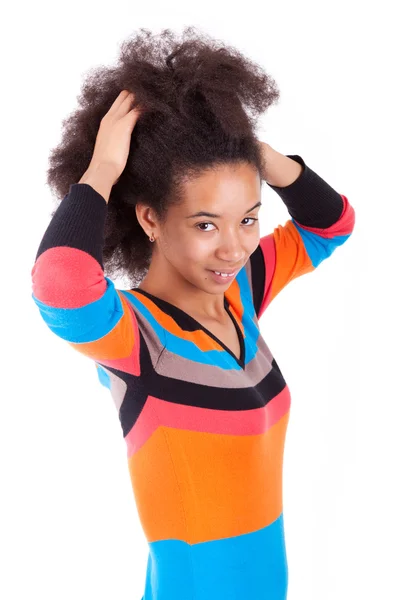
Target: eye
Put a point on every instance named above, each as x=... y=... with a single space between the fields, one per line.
x=253 y=219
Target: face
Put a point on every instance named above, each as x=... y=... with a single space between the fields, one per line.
x=216 y=228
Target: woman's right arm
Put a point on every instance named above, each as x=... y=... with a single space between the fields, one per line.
x=76 y=301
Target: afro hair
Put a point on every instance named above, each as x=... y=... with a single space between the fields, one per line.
x=201 y=101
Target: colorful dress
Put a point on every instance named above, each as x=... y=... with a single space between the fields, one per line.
x=204 y=429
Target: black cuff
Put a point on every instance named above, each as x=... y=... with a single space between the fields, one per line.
x=78 y=222
x=309 y=199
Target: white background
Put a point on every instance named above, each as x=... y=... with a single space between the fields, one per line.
x=68 y=522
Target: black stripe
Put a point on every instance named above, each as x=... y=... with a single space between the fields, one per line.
x=186 y=393
x=258 y=270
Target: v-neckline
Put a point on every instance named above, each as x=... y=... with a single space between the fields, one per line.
x=241 y=359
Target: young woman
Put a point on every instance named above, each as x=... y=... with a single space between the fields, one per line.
x=170 y=196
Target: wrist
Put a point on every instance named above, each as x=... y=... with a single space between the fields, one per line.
x=280 y=170
x=101 y=178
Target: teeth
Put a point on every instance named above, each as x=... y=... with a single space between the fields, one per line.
x=224 y=274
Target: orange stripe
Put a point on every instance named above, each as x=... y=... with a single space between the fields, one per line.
x=197 y=487
x=288 y=243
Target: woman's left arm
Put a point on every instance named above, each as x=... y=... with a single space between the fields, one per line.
x=321 y=220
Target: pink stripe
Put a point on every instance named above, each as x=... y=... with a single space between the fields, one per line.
x=65 y=277
x=267 y=244
x=158 y=412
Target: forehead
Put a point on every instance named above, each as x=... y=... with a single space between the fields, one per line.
x=223 y=187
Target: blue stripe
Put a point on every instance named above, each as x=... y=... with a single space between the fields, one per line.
x=251 y=330
x=86 y=323
x=318 y=247
x=249 y=566
x=103 y=376
x=185 y=348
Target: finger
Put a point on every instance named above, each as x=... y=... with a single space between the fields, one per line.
x=133 y=116
x=125 y=106
x=122 y=96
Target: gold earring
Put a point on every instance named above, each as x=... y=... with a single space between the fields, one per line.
x=152 y=238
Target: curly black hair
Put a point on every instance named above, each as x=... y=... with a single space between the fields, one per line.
x=201 y=99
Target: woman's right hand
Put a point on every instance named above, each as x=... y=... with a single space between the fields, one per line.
x=114 y=136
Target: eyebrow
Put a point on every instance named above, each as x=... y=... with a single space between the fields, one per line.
x=208 y=214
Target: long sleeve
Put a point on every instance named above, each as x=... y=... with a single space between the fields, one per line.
x=321 y=220
x=76 y=301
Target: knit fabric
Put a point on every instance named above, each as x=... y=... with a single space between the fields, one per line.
x=204 y=429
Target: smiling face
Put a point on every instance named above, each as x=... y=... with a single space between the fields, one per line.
x=216 y=228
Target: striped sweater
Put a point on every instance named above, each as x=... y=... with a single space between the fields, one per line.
x=204 y=429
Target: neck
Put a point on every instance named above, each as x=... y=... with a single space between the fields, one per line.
x=169 y=285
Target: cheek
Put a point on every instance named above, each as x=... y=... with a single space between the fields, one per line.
x=194 y=251
x=254 y=245
x=186 y=248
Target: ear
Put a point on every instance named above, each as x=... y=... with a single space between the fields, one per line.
x=144 y=215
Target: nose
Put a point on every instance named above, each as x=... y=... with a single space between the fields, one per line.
x=231 y=250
